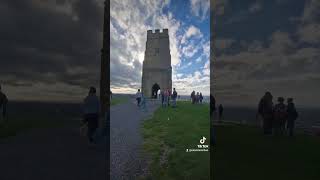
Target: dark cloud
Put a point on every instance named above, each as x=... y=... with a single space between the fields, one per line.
x=50 y=42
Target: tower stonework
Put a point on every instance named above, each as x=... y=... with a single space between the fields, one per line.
x=157 y=70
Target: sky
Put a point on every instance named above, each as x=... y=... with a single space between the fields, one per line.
x=266 y=45
x=188 y=22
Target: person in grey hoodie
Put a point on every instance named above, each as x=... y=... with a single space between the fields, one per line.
x=91 y=113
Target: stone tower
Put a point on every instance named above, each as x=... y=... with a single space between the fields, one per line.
x=157 y=71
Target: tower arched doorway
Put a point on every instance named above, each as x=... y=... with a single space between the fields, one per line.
x=154 y=91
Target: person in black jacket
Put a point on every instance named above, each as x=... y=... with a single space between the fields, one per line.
x=292 y=115
x=265 y=110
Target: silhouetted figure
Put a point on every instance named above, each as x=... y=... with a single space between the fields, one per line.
x=265 y=110
x=212 y=104
x=110 y=94
x=138 y=97
x=91 y=111
x=193 y=97
x=197 y=98
x=200 y=98
x=3 y=103
x=280 y=116
x=174 y=98
x=220 y=112
x=292 y=115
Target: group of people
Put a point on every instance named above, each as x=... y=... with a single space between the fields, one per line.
x=196 y=98
x=277 y=119
x=167 y=96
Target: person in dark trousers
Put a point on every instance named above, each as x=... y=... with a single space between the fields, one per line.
x=220 y=112
x=91 y=111
x=162 y=97
x=265 y=110
x=3 y=103
x=280 y=116
x=174 y=98
x=193 y=97
x=201 y=98
x=292 y=116
x=138 y=97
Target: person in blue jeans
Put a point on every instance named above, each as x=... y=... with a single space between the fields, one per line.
x=91 y=113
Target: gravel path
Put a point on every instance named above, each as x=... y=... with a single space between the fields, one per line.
x=127 y=158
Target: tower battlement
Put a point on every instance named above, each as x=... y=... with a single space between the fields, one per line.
x=157 y=33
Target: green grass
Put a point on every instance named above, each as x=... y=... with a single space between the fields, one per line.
x=244 y=153
x=119 y=100
x=169 y=139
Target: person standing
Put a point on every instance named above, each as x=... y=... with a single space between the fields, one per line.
x=193 y=94
x=201 y=98
x=197 y=98
x=162 y=97
x=280 y=116
x=265 y=110
x=91 y=113
x=292 y=116
x=138 y=97
x=3 y=103
x=174 y=98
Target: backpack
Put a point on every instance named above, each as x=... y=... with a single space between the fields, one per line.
x=174 y=94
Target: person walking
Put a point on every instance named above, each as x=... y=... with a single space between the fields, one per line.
x=212 y=105
x=138 y=97
x=265 y=110
x=143 y=102
x=280 y=116
x=91 y=113
x=292 y=116
x=3 y=104
x=174 y=98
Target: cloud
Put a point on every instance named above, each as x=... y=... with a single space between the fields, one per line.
x=200 y=8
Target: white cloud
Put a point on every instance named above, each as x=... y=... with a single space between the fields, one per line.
x=200 y=8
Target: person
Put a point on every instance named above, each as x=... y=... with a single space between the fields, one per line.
x=174 y=98
x=169 y=96
x=162 y=97
x=138 y=97
x=280 y=116
x=197 y=98
x=220 y=112
x=110 y=94
x=292 y=115
x=265 y=110
x=193 y=94
x=3 y=103
x=91 y=113
x=201 y=98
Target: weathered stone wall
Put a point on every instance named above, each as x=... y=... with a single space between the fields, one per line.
x=157 y=62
